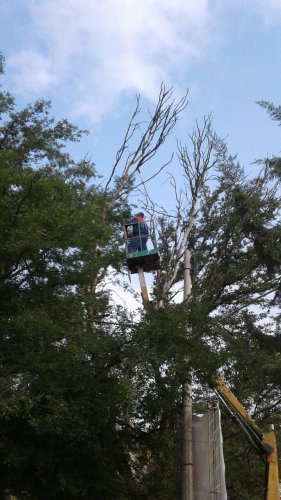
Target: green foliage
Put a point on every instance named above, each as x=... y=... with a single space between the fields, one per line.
x=62 y=404
x=230 y=321
x=91 y=398
x=273 y=164
x=1 y=63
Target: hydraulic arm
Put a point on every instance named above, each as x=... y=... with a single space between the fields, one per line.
x=264 y=443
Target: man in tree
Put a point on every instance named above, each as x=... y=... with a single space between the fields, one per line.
x=139 y=233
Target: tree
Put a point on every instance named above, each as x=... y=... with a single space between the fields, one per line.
x=231 y=225
x=50 y=384
x=90 y=396
x=66 y=395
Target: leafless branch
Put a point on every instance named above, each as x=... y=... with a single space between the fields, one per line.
x=143 y=182
x=207 y=153
x=161 y=123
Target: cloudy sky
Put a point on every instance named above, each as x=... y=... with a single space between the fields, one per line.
x=91 y=57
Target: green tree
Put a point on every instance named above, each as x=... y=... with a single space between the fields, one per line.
x=91 y=400
x=229 y=325
x=59 y=401
x=66 y=395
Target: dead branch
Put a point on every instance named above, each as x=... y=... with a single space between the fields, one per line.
x=128 y=164
x=207 y=152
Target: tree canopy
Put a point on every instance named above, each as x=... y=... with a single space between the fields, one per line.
x=91 y=400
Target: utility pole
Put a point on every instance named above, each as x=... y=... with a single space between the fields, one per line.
x=187 y=458
x=144 y=292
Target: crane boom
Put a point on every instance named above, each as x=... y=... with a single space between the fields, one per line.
x=264 y=443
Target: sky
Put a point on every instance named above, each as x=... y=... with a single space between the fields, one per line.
x=91 y=58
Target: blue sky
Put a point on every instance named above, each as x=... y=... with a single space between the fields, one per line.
x=91 y=57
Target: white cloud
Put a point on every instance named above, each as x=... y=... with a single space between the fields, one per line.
x=96 y=50
x=35 y=73
x=91 y=52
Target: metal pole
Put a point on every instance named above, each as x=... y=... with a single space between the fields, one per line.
x=144 y=292
x=187 y=458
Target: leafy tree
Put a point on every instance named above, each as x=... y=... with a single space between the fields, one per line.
x=66 y=395
x=54 y=373
x=91 y=399
x=231 y=224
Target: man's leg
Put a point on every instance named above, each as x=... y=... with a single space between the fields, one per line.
x=133 y=245
x=143 y=242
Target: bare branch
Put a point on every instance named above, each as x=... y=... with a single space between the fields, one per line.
x=143 y=182
x=132 y=127
x=161 y=123
x=207 y=153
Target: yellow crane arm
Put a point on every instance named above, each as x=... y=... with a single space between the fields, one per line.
x=272 y=490
x=222 y=388
x=264 y=443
